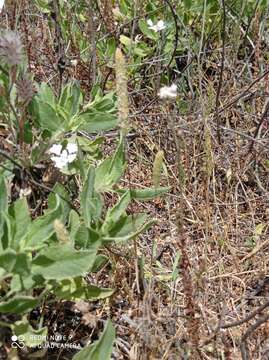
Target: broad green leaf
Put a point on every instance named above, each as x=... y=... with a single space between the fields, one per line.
x=26 y=282
x=129 y=236
x=86 y=196
x=45 y=94
x=114 y=214
x=63 y=262
x=110 y=171
x=8 y=226
x=100 y=349
x=52 y=200
x=94 y=122
x=22 y=220
x=48 y=118
x=22 y=265
x=42 y=228
x=86 y=238
x=145 y=194
x=8 y=260
x=93 y=293
x=99 y=115
x=77 y=289
x=73 y=225
x=105 y=104
x=127 y=225
x=91 y=201
x=18 y=305
x=71 y=98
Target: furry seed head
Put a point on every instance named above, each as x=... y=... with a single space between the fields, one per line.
x=11 y=48
x=168 y=92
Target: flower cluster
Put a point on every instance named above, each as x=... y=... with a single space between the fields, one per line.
x=168 y=92
x=25 y=88
x=11 y=48
x=159 y=26
x=62 y=157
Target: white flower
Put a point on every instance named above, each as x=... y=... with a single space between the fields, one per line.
x=61 y=157
x=1 y=4
x=168 y=92
x=159 y=26
x=72 y=148
x=149 y=22
x=56 y=149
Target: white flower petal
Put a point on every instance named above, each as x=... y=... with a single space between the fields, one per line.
x=64 y=154
x=55 y=149
x=59 y=162
x=71 y=157
x=160 y=25
x=72 y=148
x=1 y=4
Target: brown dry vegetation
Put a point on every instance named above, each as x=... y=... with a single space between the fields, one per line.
x=205 y=263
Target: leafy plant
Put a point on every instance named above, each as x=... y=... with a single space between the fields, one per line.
x=47 y=256
x=100 y=349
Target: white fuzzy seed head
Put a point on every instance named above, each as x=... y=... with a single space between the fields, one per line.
x=168 y=92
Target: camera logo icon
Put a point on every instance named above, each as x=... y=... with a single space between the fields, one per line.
x=17 y=341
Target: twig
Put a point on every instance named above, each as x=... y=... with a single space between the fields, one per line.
x=91 y=25
x=221 y=71
x=175 y=17
x=262 y=119
x=243 y=93
x=247 y=318
x=245 y=136
x=7 y=156
x=250 y=21
x=255 y=250
x=251 y=329
x=59 y=42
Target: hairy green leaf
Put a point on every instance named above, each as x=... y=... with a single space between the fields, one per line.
x=63 y=262
x=100 y=349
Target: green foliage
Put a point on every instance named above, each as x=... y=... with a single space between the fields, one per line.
x=48 y=254
x=68 y=114
x=100 y=349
